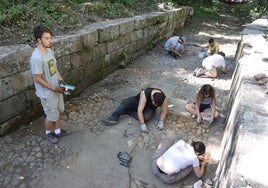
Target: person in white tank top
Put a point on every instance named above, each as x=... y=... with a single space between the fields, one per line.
x=212 y=63
x=176 y=162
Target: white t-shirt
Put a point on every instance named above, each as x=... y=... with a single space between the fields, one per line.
x=173 y=41
x=213 y=61
x=180 y=155
x=46 y=65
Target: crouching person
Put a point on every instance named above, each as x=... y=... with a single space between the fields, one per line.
x=171 y=164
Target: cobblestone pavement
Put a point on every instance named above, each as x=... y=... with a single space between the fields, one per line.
x=25 y=154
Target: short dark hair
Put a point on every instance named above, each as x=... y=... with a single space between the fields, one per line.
x=199 y=147
x=211 y=40
x=40 y=30
x=221 y=53
x=159 y=98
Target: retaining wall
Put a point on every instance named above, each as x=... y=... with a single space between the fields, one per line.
x=244 y=147
x=83 y=59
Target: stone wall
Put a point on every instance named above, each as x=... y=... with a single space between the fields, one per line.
x=244 y=147
x=83 y=59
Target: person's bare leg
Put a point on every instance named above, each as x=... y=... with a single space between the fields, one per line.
x=209 y=75
x=217 y=114
x=57 y=123
x=191 y=108
x=212 y=73
x=49 y=125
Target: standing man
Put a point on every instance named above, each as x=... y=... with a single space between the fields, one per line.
x=46 y=81
x=142 y=107
x=174 y=46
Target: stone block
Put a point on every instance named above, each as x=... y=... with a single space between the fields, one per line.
x=140 y=23
x=90 y=39
x=153 y=19
x=163 y=18
x=98 y=51
x=116 y=44
x=113 y=57
x=130 y=48
x=68 y=44
x=15 y=84
x=146 y=35
x=136 y=35
x=126 y=27
x=154 y=30
x=64 y=63
x=14 y=58
x=141 y=44
x=12 y=106
x=108 y=32
x=23 y=119
x=32 y=99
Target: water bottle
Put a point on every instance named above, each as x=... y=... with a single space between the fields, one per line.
x=198 y=184
x=201 y=54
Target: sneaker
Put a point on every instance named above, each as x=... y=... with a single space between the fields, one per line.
x=52 y=138
x=193 y=116
x=200 y=72
x=144 y=128
x=63 y=133
x=173 y=55
x=109 y=122
x=195 y=71
x=207 y=119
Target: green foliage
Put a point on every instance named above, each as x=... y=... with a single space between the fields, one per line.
x=20 y=12
x=249 y=10
x=124 y=55
x=127 y=3
x=3 y=5
x=203 y=9
x=22 y=15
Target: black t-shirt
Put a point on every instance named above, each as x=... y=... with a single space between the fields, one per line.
x=148 y=93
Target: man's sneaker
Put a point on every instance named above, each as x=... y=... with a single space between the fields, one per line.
x=173 y=55
x=109 y=122
x=193 y=116
x=63 y=133
x=207 y=119
x=195 y=71
x=144 y=128
x=200 y=72
x=52 y=138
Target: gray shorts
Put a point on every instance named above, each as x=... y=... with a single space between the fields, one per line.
x=53 y=106
x=168 y=179
x=211 y=70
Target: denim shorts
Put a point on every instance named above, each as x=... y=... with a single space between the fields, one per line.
x=53 y=106
x=203 y=107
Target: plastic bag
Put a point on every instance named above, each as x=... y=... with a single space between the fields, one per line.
x=201 y=53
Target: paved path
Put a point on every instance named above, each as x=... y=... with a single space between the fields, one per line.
x=87 y=158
